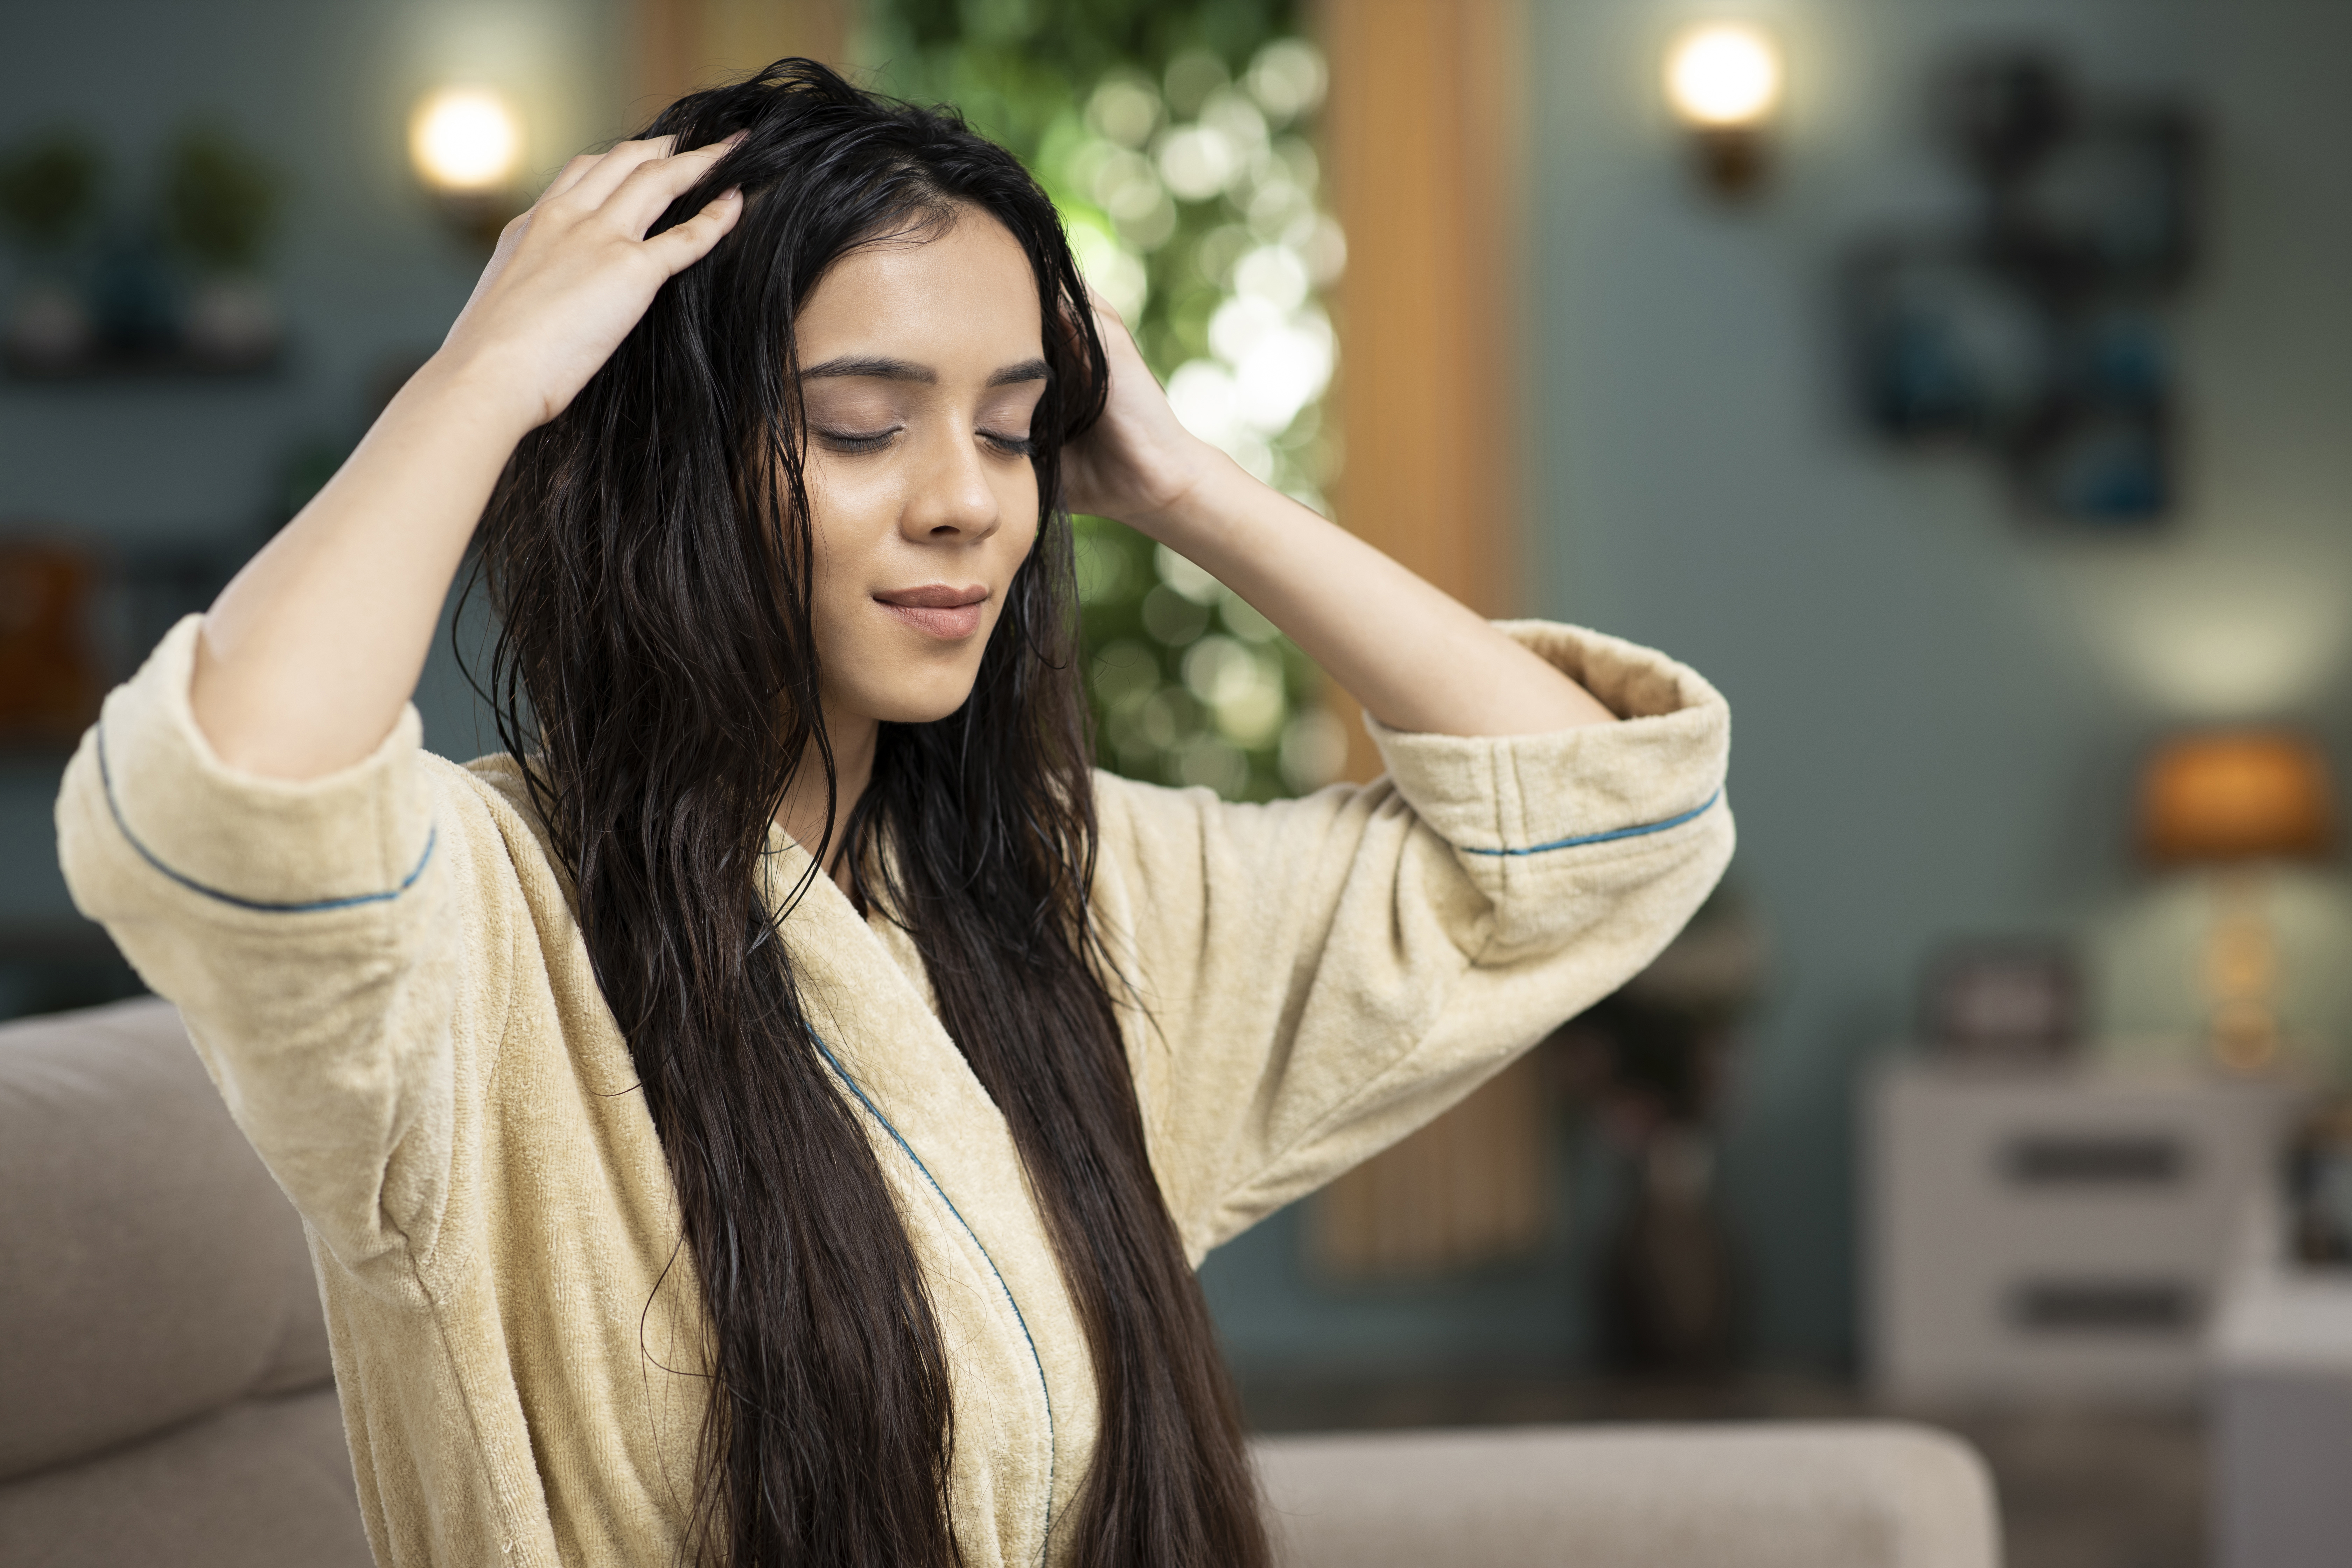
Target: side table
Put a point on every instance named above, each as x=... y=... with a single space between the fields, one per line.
x=2059 y=1232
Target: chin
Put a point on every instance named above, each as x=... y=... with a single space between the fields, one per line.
x=920 y=702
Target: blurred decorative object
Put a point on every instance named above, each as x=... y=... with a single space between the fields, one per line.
x=1670 y=1287
x=1724 y=82
x=2039 y=334
x=1649 y=1061
x=2318 y=1171
x=181 y=294
x=2013 y=1000
x=49 y=200
x=2235 y=800
x=221 y=203
x=49 y=676
x=467 y=144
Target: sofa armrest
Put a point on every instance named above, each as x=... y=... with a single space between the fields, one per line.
x=1765 y=1496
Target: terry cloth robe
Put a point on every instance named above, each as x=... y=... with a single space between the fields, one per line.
x=382 y=972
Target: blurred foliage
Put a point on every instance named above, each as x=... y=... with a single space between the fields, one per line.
x=48 y=188
x=1176 y=138
x=220 y=199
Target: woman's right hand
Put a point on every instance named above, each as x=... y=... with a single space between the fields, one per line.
x=573 y=274
x=309 y=655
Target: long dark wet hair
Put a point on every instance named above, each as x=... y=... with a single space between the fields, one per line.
x=649 y=555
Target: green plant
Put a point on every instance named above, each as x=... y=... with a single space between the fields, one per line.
x=221 y=200
x=1176 y=139
x=48 y=188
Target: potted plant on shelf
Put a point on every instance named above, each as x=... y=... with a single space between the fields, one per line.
x=48 y=194
x=220 y=208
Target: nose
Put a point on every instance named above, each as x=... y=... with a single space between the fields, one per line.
x=952 y=501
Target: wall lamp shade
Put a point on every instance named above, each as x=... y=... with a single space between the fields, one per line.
x=1724 y=81
x=466 y=143
x=2233 y=795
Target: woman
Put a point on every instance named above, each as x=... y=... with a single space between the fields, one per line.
x=772 y=1115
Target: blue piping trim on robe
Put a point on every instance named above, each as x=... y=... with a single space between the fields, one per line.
x=1039 y=1361
x=1646 y=827
x=106 y=778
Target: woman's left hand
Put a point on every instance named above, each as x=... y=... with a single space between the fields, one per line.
x=1138 y=462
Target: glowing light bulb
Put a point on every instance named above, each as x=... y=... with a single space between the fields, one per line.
x=1724 y=76
x=464 y=141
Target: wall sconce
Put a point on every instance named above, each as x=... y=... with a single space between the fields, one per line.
x=466 y=143
x=2235 y=800
x=1724 y=81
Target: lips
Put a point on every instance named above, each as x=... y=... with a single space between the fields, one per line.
x=947 y=613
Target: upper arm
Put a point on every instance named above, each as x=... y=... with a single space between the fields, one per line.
x=1315 y=978
x=339 y=949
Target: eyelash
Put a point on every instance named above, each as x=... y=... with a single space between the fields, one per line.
x=842 y=441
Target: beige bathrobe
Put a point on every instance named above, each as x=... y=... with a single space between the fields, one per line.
x=381 y=971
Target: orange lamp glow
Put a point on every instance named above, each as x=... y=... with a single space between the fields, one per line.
x=2236 y=796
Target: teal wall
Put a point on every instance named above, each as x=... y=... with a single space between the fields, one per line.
x=1938 y=711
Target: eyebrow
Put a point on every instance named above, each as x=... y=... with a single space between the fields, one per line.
x=885 y=369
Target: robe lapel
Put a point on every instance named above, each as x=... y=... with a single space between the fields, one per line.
x=870 y=1005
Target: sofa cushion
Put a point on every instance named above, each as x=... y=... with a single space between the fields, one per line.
x=264 y=1482
x=152 y=1271
x=1840 y=1494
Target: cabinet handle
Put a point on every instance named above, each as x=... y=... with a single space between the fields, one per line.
x=2105 y=1306
x=2095 y=1160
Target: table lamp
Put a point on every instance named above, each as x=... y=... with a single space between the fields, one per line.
x=2237 y=801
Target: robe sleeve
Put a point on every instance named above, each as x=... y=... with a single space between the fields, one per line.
x=1308 y=981
x=337 y=950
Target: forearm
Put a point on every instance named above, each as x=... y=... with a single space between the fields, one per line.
x=308 y=656
x=1417 y=658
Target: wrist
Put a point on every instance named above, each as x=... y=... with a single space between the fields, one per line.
x=473 y=389
x=1197 y=497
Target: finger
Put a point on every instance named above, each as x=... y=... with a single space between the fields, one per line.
x=607 y=174
x=650 y=187
x=569 y=175
x=682 y=245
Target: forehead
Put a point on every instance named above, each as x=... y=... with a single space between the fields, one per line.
x=956 y=296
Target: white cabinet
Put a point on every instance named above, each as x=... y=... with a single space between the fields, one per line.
x=2051 y=1233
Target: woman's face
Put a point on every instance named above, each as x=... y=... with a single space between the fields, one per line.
x=923 y=362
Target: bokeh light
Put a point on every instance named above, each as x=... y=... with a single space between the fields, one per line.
x=465 y=141
x=1725 y=75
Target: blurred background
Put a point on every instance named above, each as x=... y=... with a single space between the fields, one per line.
x=1964 y=386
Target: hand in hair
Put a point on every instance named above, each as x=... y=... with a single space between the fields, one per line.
x=1139 y=461
x=309 y=655
x=571 y=276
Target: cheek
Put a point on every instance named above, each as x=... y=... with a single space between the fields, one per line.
x=1016 y=501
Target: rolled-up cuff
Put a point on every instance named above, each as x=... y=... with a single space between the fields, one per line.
x=361 y=834
x=1660 y=766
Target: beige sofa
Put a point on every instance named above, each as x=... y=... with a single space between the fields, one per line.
x=165 y=1396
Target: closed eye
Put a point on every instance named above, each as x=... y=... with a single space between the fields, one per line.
x=853 y=442
x=1011 y=446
